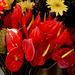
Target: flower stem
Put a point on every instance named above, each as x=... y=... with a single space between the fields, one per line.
x=50 y=67
x=36 y=69
x=27 y=68
x=11 y=73
x=52 y=51
x=2 y=59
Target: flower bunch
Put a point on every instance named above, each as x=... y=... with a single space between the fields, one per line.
x=36 y=41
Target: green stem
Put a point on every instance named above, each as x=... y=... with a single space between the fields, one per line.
x=2 y=59
x=36 y=69
x=26 y=69
x=3 y=68
x=50 y=67
x=4 y=63
x=11 y=73
x=52 y=51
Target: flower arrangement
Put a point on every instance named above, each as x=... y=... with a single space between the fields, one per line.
x=27 y=42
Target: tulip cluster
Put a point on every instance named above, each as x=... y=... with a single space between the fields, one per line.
x=38 y=41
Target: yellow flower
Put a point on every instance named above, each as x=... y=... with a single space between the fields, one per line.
x=57 y=6
x=9 y=4
x=26 y=5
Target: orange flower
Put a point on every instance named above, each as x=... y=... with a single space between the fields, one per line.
x=3 y=4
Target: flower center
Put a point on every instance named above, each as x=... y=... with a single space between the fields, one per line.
x=67 y=53
x=16 y=45
x=46 y=50
x=15 y=57
x=57 y=5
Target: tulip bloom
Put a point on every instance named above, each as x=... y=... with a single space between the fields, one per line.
x=16 y=16
x=64 y=57
x=36 y=22
x=28 y=16
x=14 y=59
x=14 y=39
x=28 y=48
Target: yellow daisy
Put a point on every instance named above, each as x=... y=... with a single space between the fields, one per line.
x=9 y=4
x=57 y=6
x=26 y=5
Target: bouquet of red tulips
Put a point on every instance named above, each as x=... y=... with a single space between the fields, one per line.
x=25 y=40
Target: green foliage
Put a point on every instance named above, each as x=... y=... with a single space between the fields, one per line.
x=2 y=40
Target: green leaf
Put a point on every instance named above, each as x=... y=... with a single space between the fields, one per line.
x=2 y=50
x=2 y=40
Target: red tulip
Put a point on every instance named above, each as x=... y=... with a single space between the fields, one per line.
x=53 y=45
x=36 y=22
x=52 y=33
x=28 y=16
x=14 y=59
x=14 y=39
x=47 y=25
x=64 y=57
x=36 y=35
x=62 y=39
x=3 y=4
x=50 y=28
x=16 y=16
x=39 y=58
x=24 y=26
x=28 y=48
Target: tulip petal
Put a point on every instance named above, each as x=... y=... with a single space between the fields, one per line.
x=28 y=16
x=36 y=35
x=36 y=22
x=24 y=26
x=49 y=17
x=11 y=62
x=28 y=48
x=16 y=16
x=66 y=61
x=14 y=39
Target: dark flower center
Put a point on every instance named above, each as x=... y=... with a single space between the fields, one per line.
x=57 y=5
